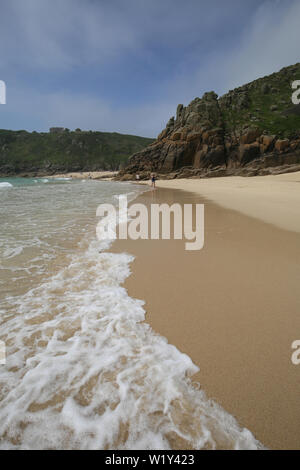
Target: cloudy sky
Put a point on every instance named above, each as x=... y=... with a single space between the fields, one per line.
x=124 y=65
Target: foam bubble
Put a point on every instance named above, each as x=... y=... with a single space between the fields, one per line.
x=12 y=252
x=5 y=184
x=84 y=371
x=62 y=178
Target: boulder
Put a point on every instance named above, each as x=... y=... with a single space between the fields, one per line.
x=162 y=135
x=179 y=111
x=214 y=157
x=176 y=136
x=193 y=136
x=267 y=143
x=249 y=152
x=250 y=136
x=282 y=145
x=127 y=177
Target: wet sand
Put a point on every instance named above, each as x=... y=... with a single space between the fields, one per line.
x=233 y=307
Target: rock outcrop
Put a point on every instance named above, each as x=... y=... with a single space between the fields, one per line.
x=252 y=130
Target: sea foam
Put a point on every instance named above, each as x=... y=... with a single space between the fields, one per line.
x=5 y=185
x=83 y=370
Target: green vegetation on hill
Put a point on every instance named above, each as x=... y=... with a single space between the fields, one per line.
x=251 y=130
x=25 y=152
x=264 y=103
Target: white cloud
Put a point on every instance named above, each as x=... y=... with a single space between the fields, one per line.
x=63 y=35
x=270 y=42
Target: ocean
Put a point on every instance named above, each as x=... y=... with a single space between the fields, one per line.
x=83 y=370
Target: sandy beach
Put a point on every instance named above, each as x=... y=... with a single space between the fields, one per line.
x=274 y=198
x=94 y=175
x=233 y=306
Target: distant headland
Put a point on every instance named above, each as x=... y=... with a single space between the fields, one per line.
x=60 y=150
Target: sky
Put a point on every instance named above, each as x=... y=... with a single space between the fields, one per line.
x=124 y=65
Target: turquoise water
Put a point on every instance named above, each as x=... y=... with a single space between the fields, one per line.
x=17 y=182
x=42 y=221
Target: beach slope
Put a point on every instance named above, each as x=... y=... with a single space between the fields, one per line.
x=233 y=306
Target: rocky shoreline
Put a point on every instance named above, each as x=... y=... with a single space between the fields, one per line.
x=252 y=130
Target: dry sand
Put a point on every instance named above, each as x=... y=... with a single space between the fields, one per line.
x=234 y=306
x=274 y=198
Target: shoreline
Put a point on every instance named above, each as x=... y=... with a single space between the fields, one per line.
x=274 y=199
x=117 y=376
x=226 y=307
x=95 y=175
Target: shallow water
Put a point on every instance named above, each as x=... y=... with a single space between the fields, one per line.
x=83 y=370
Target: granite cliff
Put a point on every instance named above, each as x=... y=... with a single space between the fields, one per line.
x=252 y=130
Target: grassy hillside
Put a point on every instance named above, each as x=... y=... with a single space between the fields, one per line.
x=251 y=130
x=22 y=151
x=264 y=103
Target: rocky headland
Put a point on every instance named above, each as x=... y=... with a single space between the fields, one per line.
x=251 y=130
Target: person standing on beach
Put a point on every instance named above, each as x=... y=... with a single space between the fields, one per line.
x=153 y=179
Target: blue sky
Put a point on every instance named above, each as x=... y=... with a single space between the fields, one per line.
x=124 y=65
